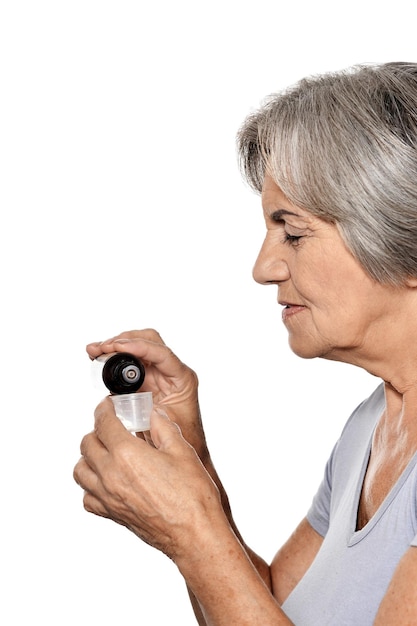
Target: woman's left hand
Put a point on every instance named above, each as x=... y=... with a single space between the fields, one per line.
x=157 y=486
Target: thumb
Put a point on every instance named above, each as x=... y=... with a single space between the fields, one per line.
x=164 y=431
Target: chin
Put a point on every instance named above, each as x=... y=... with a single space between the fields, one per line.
x=308 y=349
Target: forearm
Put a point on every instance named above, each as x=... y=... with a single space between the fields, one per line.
x=261 y=567
x=193 y=432
x=223 y=580
x=197 y=608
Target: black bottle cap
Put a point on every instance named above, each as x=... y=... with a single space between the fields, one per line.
x=123 y=373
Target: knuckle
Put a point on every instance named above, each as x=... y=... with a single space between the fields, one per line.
x=84 y=444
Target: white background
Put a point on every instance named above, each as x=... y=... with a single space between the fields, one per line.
x=122 y=207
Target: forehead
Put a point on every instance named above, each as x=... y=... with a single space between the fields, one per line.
x=277 y=206
x=275 y=201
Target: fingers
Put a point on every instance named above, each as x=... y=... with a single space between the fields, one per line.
x=172 y=383
x=109 y=432
x=111 y=457
x=107 y=427
x=146 y=345
x=144 y=484
x=94 y=505
x=164 y=432
x=96 y=348
x=92 y=455
x=88 y=480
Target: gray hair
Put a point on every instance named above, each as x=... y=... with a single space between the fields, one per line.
x=344 y=147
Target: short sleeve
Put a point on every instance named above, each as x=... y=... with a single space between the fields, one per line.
x=319 y=512
x=414 y=541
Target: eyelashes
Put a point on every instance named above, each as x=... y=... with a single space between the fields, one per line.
x=292 y=240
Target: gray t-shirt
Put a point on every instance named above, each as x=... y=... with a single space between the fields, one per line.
x=350 y=574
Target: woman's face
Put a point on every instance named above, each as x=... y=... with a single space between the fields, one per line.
x=332 y=307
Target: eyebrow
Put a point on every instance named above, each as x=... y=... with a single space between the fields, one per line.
x=276 y=215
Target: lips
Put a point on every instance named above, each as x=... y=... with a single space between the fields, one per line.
x=291 y=309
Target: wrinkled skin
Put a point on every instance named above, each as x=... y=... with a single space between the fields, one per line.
x=155 y=484
x=173 y=384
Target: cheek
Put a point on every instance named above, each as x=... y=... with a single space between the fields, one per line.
x=327 y=288
x=330 y=310
x=338 y=322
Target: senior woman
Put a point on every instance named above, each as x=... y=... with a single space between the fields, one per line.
x=335 y=159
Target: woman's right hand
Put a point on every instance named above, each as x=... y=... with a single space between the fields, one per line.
x=173 y=384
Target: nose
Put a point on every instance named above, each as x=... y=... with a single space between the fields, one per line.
x=270 y=266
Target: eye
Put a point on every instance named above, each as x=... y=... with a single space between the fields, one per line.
x=292 y=240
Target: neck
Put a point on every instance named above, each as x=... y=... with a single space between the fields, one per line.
x=388 y=348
